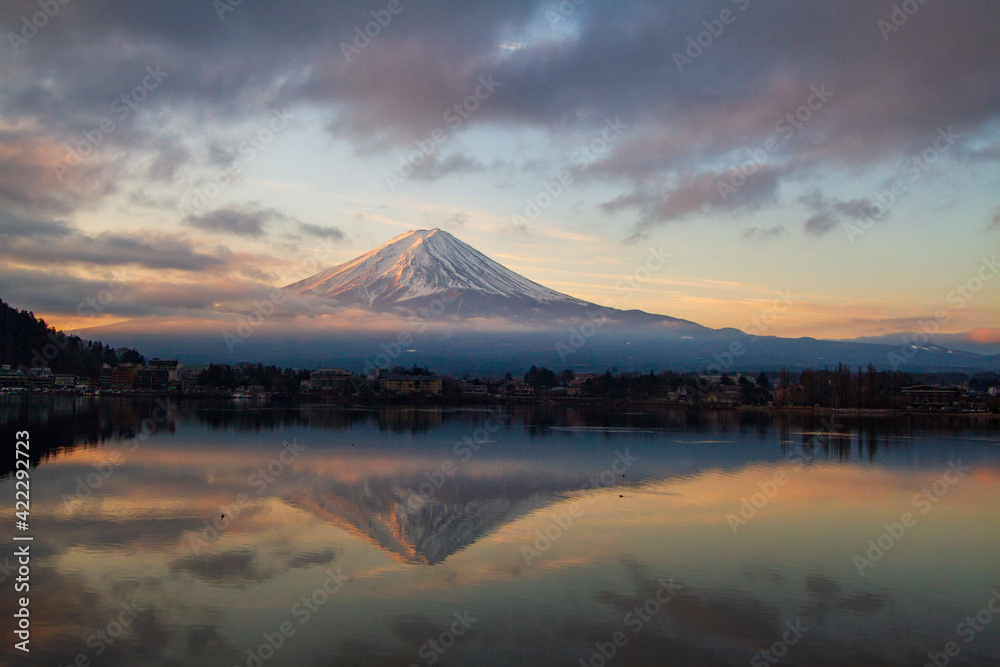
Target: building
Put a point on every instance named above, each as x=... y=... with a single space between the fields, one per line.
x=171 y=366
x=41 y=378
x=151 y=379
x=64 y=381
x=523 y=390
x=931 y=396
x=123 y=377
x=11 y=378
x=329 y=380
x=104 y=379
x=411 y=384
x=472 y=389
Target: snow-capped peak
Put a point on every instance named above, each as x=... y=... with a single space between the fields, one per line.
x=424 y=263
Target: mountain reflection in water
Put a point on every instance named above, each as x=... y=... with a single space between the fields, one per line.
x=218 y=520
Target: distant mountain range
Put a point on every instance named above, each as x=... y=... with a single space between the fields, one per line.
x=426 y=297
x=985 y=340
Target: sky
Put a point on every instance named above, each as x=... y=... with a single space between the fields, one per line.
x=187 y=157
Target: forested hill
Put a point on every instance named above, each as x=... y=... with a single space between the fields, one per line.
x=26 y=342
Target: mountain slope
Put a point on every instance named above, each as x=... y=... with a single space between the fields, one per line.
x=431 y=267
x=423 y=263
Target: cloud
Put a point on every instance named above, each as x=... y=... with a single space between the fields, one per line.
x=440 y=217
x=239 y=220
x=32 y=183
x=763 y=233
x=148 y=249
x=689 y=128
x=435 y=167
x=693 y=193
x=134 y=294
x=321 y=232
x=828 y=213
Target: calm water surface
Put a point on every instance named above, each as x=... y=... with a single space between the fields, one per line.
x=243 y=535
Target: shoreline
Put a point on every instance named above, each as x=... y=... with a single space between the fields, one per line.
x=467 y=401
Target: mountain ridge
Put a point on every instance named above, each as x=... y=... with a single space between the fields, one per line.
x=431 y=268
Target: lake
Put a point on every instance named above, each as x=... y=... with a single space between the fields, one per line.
x=227 y=534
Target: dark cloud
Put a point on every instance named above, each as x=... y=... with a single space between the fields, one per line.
x=66 y=294
x=763 y=233
x=754 y=86
x=35 y=177
x=435 y=167
x=320 y=231
x=239 y=220
x=153 y=250
x=699 y=193
x=828 y=213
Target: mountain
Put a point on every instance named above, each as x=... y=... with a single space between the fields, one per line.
x=26 y=341
x=428 y=268
x=985 y=340
x=427 y=298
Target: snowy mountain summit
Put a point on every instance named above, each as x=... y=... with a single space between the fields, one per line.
x=422 y=266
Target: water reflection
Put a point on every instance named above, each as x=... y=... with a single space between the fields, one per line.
x=224 y=523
